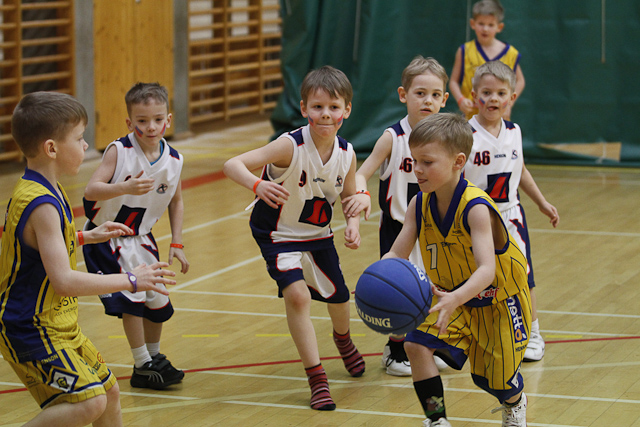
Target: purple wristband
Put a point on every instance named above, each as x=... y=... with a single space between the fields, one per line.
x=133 y=280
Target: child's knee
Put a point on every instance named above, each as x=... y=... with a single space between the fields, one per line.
x=296 y=295
x=113 y=392
x=416 y=351
x=91 y=409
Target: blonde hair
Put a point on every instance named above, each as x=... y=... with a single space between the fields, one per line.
x=329 y=79
x=420 y=65
x=489 y=7
x=452 y=130
x=40 y=116
x=499 y=70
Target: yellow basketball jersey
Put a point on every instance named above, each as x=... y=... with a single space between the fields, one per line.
x=34 y=319
x=447 y=252
x=474 y=56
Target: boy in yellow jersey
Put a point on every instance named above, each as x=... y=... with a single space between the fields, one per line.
x=481 y=306
x=39 y=285
x=486 y=22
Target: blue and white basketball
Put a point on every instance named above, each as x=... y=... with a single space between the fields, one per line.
x=393 y=296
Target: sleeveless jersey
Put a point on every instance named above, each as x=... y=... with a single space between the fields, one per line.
x=303 y=222
x=139 y=212
x=447 y=252
x=495 y=164
x=398 y=183
x=474 y=56
x=34 y=319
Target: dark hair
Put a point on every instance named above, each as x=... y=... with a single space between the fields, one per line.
x=452 y=130
x=45 y=115
x=142 y=93
x=329 y=79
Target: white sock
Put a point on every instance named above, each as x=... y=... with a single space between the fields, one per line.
x=535 y=327
x=140 y=356
x=153 y=348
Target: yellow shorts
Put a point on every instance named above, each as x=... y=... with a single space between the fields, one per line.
x=69 y=375
x=493 y=338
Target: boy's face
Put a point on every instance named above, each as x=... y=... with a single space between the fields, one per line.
x=70 y=149
x=486 y=28
x=435 y=167
x=149 y=122
x=492 y=98
x=324 y=113
x=424 y=97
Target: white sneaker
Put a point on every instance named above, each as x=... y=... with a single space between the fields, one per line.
x=535 y=348
x=397 y=364
x=514 y=416
x=442 y=422
x=441 y=364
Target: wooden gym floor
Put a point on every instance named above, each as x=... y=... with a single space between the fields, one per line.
x=230 y=336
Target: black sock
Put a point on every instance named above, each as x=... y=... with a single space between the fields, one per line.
x=511 y=405
x=431 y=396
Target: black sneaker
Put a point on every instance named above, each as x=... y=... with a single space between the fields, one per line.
x=157 y=374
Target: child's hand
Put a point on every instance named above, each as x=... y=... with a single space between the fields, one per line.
x=549 y=210
x=447 y=303
x=179 y=253
x=273 y=194
x=352 y=237
x=354 y=204
x=138 y=186
x=106 y=231
x=148 y=276
x=466 y=105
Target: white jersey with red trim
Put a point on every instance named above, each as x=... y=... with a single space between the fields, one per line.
x=313 y=186
x=495 y=164
x=139 y=212
x=398 y=183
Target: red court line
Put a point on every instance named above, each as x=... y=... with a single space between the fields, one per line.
x=283 y=362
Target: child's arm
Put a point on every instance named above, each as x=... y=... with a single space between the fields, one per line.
x=42 y=232
x=352 y=231
x=353 y=205
x=480 y=222
x=278 y=152
x=104 y=232
x=176 y=214
x=99 y=187
x=465 y=104
x=529 y=186
x=406 y=240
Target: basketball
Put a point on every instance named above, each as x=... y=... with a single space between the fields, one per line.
x=393 y=296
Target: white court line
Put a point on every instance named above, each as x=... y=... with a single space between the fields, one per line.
x=584 y=232
x=159 y=395
x=578 y=313
x=380 y=413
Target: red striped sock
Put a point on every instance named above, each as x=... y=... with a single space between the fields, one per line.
x=320 y=396
x=352 y=359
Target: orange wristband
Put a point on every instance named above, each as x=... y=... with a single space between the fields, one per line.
x=363 y=192
x=80 y=238
x=177 y=245
x=255 y=186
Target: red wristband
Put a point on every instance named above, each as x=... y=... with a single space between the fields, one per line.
x=255 y=186
x=80 y=238
x=363 y=192
x=460 y=99
x=177 y=245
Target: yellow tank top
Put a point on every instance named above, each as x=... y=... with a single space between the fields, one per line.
x=445 y=244
x=474 y=56
x=34 y=319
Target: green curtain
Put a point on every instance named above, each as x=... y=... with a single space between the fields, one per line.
x=579 y=60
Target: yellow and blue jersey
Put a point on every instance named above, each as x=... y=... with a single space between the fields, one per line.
x=447 y=251
x=35 y=321
x=474 y=56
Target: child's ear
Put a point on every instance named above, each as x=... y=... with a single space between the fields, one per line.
x=129 y=124
x=347 y=111
x=500 y=26
x=50 y=149
x=402 y=94
x=460 y=161
x=169 y=117
x=303 y=109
